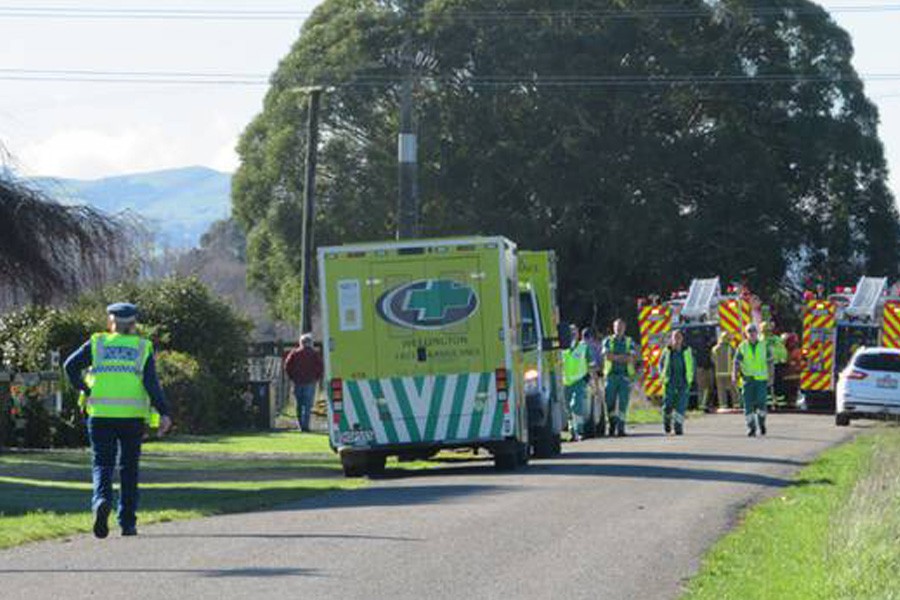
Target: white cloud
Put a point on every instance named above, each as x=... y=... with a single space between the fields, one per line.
x=88 y=154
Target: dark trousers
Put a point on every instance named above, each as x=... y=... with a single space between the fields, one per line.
x=112 y=439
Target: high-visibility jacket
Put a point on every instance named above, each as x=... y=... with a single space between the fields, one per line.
x=116 y=376
x=666 y=366
x=776 y=348
x=609 y=347
x=575 y=363
x=754 y=361
x=723 y=359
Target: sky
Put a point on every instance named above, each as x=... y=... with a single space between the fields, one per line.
x=94 y=129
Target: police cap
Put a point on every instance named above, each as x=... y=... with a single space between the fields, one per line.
x=122 y=311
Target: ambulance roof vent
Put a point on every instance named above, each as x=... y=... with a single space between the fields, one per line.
x=865 y=301
x=701 y=297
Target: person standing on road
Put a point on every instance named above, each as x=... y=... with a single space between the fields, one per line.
x=723 y=362
x=677 y=369
x=620 y=356
x=576 y=373
x=595 y=365
x=702 y=352
x=752 y=362
x=304 y=367
x=117 y=394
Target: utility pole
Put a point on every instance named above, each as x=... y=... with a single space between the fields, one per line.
x=309 y=206
x=407 y=144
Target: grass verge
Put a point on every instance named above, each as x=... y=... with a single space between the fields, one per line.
x=47 y=494
x=832 y=534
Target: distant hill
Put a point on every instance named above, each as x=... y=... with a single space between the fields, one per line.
x=178 y=204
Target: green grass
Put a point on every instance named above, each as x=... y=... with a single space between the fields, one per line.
x=278 y=442
x=47 y=494
x=832 y=535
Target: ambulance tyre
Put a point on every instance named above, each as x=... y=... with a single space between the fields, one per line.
x=842 y=419
x=557 y=445
x=523 y=453
x=507 y=456
x=355 y=464
x=543 y=443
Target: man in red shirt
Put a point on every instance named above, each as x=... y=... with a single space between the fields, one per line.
x=304 y=366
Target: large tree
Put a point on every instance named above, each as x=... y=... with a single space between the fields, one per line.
x=647 y=145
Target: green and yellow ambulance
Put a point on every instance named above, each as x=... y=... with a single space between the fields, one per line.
x=541 y=350
x=422 y=350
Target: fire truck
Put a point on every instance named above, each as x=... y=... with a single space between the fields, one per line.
x=702 y=313
x=835 y=326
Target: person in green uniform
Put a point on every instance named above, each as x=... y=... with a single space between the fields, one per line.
x=576 y=373
x=620 y=357
x=752 y=363
x=677 y=369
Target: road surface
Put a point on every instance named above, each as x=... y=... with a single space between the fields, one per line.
x=619 y=518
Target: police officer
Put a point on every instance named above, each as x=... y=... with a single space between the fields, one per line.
x=620 y=355
x=752 y=362
x=117 y=394
x=576 y=363
x=677 y=369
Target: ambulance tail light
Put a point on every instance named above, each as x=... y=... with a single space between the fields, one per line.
x=502 y=389
x=337 y=399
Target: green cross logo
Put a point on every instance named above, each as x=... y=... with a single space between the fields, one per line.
x=437 y=299
x=428 y=304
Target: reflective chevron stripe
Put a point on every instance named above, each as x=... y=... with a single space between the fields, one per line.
x=442 y=408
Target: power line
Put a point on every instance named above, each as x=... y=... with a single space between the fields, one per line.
x=659 y=12
x=371 y=80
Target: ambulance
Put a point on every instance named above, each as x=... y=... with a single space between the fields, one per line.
x=542 y=355
x=422 y=350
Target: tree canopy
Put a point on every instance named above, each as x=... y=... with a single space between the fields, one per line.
x=646 y=145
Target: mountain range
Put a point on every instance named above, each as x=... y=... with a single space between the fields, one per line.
x=177 y=205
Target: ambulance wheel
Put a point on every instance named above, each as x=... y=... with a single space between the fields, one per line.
x=505 y=461
x=842 y=419
x=354 y=464
x=523 y=454
x=543 y=443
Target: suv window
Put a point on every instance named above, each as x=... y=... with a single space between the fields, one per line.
x=879 y=362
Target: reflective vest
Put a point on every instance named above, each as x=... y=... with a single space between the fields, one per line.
x=116 y=376
x=754 y=364
x=723 y=359
x=665 y=366
x=575 y=364
x=609 y=347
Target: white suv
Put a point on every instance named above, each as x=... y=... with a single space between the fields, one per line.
x=869 y=386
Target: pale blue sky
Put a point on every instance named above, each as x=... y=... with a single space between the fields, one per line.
x=91 y=130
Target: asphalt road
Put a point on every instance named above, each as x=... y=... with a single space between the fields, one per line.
x=621 y=518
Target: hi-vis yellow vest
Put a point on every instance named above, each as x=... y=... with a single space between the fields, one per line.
x=665 y=364
x=754 y=364
x=575 y=364
x=610 y=348
x=116 y=377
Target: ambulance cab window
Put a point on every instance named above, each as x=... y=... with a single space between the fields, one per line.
x=529 y=321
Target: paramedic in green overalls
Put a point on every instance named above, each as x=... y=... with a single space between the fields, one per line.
x=620 y=357
x=752 y=362
x=677 y=369
x=576 y=361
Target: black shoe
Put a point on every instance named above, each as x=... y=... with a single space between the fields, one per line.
x=667 y=429
x=101 y=520
x=762 y=429
x=751 y=433
x=679 y=431
x=129 y=531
